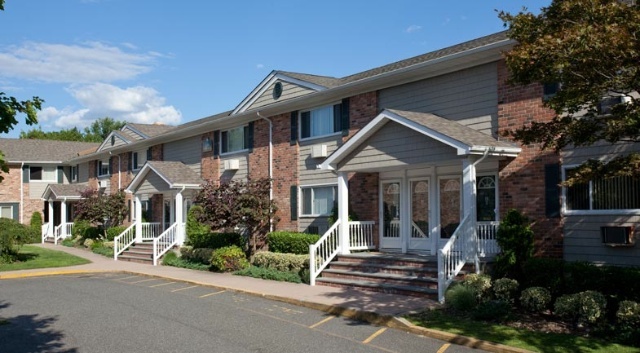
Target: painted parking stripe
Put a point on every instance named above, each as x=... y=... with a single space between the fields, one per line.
x=162 y=284
x=122 y=279
x=210 y=294
x=375 y=334
x=322 y=322
x=144 y=280
x=185 y=288
x=444 y=347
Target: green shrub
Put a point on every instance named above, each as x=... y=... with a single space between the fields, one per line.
x=586 y=307
x=515 y=239
x=68 y=242
x=281 y=262
x=114 y=232
x=94 y=244
x=270 y=274
x=544 y=272
x=85 y=230
x=36 y=223
x=505 y=289
x=196 y=231
x=216 y=240
x=493 y=310
x=107 y=244
x=102 y=249
x=229 y=258
x=172 y=259
x=583 y=276
x=535 y=299
x=461 y=298
x=628 y=322
x=291 y=242
x=88 y=243
x=305 y=275
x=12 y=236
x=480 y=283
x=200 y=255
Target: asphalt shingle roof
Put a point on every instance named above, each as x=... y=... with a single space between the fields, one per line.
x=31 y=150
x=68 y=190
x=152 y=130
x=324 y=81
x=176 y=172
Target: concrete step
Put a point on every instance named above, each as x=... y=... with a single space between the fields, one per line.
x=390 y=259
x=396 y=280
x=136 y=258
x=379 y=287
x=420 y=272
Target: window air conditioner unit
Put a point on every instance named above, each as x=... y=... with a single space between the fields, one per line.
x=232 y=164
x=617 y=236
x=102 y=184
x=319 y=151
x=605 y=105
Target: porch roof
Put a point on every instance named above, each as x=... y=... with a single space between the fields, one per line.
x=465 y=140
x=176 y=175
x=64 y=191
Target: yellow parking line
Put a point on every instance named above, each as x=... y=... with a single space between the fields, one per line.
x=120 y=279
x=322 y=322
x=161 y=284
x=444 y=347
x=179 y=289
x=144 y=280
x=375 y=334
x=210 y=294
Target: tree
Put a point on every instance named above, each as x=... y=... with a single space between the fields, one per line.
x=592 y=49
x=97 y=132
x=72 y=134
x=239 y=204
x=101 y=128
x=109 y=210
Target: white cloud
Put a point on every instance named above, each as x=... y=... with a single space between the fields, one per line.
x=260 y=66
x=137 y=104
x=413 y=28
x=89 y=62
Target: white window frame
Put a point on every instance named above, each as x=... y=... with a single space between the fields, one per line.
x=44 y=168
x=591 y=211
x=135 y=158
x=10 y=211
x=104 y=163
x=74 y=173
x=479 y=176
x=312 y=187
x=244 y=143
x=332 y=120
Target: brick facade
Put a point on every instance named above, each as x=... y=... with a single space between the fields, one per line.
x=522 y=179
x=285 y=171
x=259 y=158
x=210 y=164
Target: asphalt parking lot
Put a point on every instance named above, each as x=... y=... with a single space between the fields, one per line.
x=114 y=312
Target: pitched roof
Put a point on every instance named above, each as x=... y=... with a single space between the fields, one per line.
x=152 y=130
x=176 y=173
x=31 y=150
x=60 y=191
x=324 y=81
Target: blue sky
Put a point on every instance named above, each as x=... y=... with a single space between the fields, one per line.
x=152 y=61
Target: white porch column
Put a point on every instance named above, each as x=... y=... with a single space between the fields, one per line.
x=343 y=212
x=178 y=216
x=51 y=220
x=469 y=204
x=138 y=218
x=63 y=218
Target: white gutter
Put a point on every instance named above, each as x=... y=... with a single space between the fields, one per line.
x=270 y=163
x=22 y=193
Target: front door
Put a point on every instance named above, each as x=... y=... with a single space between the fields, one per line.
x=450 y=207
x=390 y=209
x=419 y=228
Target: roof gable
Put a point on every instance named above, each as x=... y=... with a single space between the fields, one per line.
x=115 y=139
x=174 y=174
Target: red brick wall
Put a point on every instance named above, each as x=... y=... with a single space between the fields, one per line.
x=285 y=170
x=522 y=179
x=362 y=109
x=210 y=165
x=93 y=178
x=259 y=158
x=157 y=152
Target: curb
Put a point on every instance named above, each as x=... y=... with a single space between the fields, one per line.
x=356 y=314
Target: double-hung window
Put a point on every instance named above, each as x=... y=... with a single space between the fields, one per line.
x=234 y=140
x=74 y=173
x=318 y=200
x=6 y=212
x=134 y=162
x=103 y=168
x=612 y=194
x=46 y=173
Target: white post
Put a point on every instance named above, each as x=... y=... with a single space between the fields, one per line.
x=469 y=203
x=343 y=211
x=51 y=222
x=138 y=218
x=63 y=218
x=178 y=218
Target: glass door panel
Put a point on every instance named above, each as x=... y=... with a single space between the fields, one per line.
x=390 y=191
x=419 y=234
x=450 y=205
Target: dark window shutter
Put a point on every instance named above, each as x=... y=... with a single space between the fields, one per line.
x=98 y=167
x=344 y=117
x=149 y=154
x=75 y=175
x=131 y=164
x=110 y=166
x=135 y=160
x=294 y=202
x=216 y=143
x=294 y=127
x=224 y=138
x=337 y=118
x=25 y=173
x=60 y=174
x=305 y=122
x=248 y=137
x=552 y=190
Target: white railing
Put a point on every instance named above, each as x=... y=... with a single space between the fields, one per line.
x=323 y=251
x=487 y=244
x=45 y=231
x=68 y=229
x=58 y=233
x=151 y=230
x=361 y=235
x=124 y=240
x=461 y=247
x=166 y=240
x=416 y=232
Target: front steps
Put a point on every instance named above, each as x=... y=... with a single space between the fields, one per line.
x=139 y=252
x=383 y=272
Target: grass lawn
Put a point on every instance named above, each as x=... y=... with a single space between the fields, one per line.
x=521 y=338
x=31 y=257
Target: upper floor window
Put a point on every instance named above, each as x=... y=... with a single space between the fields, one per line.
x=320 y=122
x=46 y=173
x=103 y=168
x=235 y=139
x=318 y=200
x=74 y=173
x=619 y=193
x=134 y=161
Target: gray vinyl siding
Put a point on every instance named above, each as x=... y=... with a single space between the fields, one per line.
x=83 y=172
x=187 y=151
x=36 y=188
x=152 y=184
x=583 y=241
x=309 y=174
x=132 y=134
x=396 y=146
x=106 y=178
x=469 y=97
x=241 y=173
x=601 y=151
x=289 y=91
x=321 y=224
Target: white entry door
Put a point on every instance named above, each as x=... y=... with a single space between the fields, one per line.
x=390 y=236
x=419 y=208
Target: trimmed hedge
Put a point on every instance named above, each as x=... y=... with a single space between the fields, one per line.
x=114 y=232
x=229 y=258
x=270 y=274
x=281 y=262
x=291 y=242
x=85 y=230
x=200 y=255
x=215 y=240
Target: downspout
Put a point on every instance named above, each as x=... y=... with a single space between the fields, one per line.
x=22 y=193
x=484 y=155
x=270 y=163
x=119 y=171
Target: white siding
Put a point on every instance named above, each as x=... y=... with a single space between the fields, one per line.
x=152 y=184
x=241 y=173
x=289 y=91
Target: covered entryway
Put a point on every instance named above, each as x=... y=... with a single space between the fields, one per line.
x=59 y=200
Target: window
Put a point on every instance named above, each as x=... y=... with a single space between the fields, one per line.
x=486 y=198
x=74 y=173
x=134 y=162
x=550 y=89
x=103 y=168
x=6 y=212
x=318 y=200
x=47 y=173
x=207 y=144
x=320 y=122
x=235 y=139
x=619 y=193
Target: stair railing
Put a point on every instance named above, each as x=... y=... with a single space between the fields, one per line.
x=150 y=230
x=323 y=251
x=124 y=240
x=45 y=231
x=461 y=247
x=57 y=233
x=166 y=240
x=361 y=235
x=487 y=243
